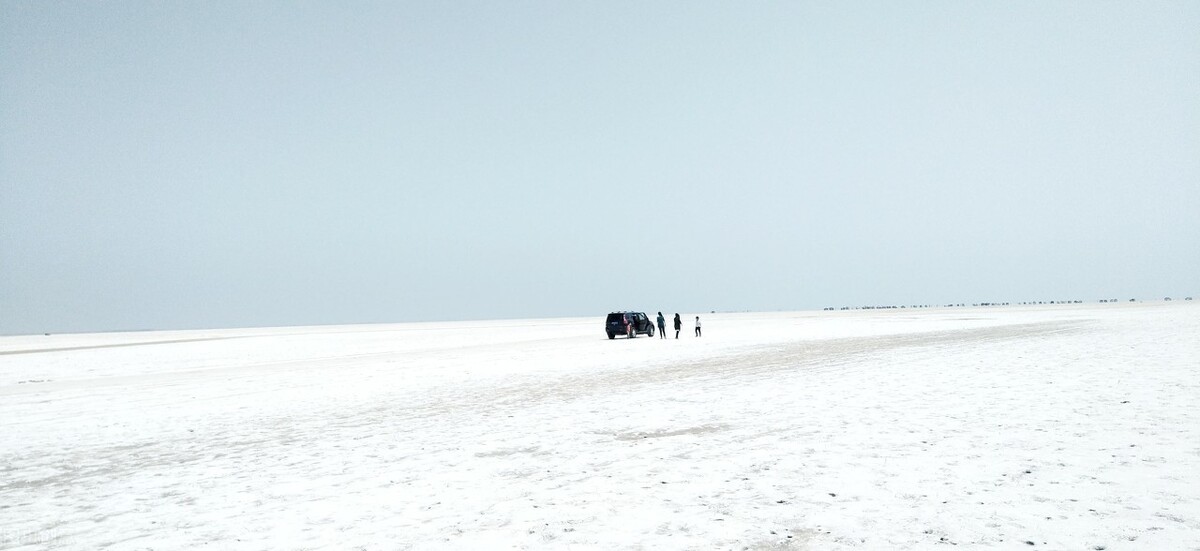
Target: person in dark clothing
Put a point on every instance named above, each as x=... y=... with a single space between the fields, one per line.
x=662 y=326
x=697 y=326
x=678 y=324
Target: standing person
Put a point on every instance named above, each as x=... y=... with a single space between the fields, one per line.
x=662 y=326
x=629 y=325
x=678 y=324
x=697 y=326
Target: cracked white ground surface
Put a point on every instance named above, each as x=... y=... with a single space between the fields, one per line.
x=1064 y=427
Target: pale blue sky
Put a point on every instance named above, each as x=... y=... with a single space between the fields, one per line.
x=211 y=164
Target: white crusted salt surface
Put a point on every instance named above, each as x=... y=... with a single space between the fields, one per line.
x=1065 y=427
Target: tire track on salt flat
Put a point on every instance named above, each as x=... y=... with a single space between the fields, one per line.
x=756 y=361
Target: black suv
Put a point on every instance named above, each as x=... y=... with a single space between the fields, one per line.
x=615 y=324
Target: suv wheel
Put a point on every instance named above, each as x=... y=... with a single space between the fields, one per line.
x=611 y=336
